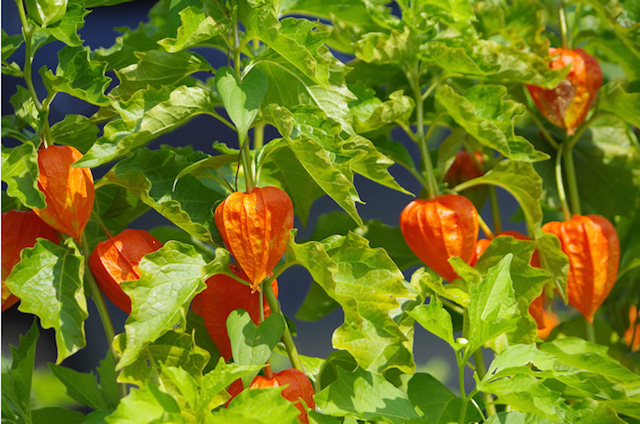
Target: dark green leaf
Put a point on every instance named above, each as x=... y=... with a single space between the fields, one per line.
x=361 y=394
x=80 y=386
x=170 y=278
x=434 y=401
x=16 y=382
x=20 y=172
x=56 y=415
x=336 y=359
x=317 y=304
x=49 y=281
x=76 y=131
x=78 y=76
x=108 y=382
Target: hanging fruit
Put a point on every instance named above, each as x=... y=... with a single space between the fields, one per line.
x=117 y=259
x=68 y=191
x=297 y=387
x=464 y=168
x=593 y=248
x=439 y=229
x=567 y=104
x=20 y=229
x=222 y=296
x=632 y=334
x=255 y=227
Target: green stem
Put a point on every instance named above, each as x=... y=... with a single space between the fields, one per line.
x=27 y=33
x=574 y=139
x=98 y=300
x=463 y=393
x=481 y=369
x=287 y=338
x=563 y=25
x=245 y=157
x=454 y=307
x=429 y=176
x=591 y=334
x=543 y=130
x=485 y=228
x=561 y=194
x=495 y=210
x=258 y=136
x=570 y=172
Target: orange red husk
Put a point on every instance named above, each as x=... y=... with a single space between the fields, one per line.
x=255 y=228
x=20 y=229
x=464 y=168
x=297 y=387
x=632 y=334
x=439 y=229
x=68 y=191
x=222 y=296
x=117 y=259
x=593 y=248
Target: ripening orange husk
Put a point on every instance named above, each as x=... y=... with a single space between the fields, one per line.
x=632 y=334
x=255 y=227
x=68 y=191
x=439 y=229
x=20 y=229
x=566 y=105
x=297 y=387
x=117 y=259
x=593 y=248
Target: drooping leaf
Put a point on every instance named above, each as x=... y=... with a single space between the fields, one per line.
x=453 y=291
x=437 y=320
x=336 y=359
x=434 y=401
x=259 y=406
x=150 y=175
x=367 y=284
x=82 y=387
x=78 y=76
x=20 y=173
x=66 y=30
x=170 y=278
x=146 y=405
x=197 y=27
x=484 y=113
x=361 y=394
x=49 y=281
x=145 y=116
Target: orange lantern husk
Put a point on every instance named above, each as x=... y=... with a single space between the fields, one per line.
x=255 y=228
x=567 y=104
x=68 y=191
x=632 y=334
x=20 y=229
x=593 y=248
x=297 y=387
x=439 y=229
x=117 y=259
x=222 y=296
x=464 y=168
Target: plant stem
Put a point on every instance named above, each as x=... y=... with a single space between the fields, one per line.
x=287 y=338
x=463 y=393
x=591 y=334
x=27 y=33
x=563 y=25
x=98 y=300
x=429 y=175
x=495 y=210
x=485 y=228
x=481 y=369
x=561 y=194
x=258 y=136
x=570 y=172
x=543 y=130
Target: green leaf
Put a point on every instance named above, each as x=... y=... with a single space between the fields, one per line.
x=454 y=291
x=613 y=98
x=26 y=113
x=202 y=167
x=157 y=69
x=150 y=176
x=554 y=260
x=434 y=401
x=16 y=382
x=516 y=417
x=197 y=28
x=259 y=406
x=492 y=61
x=611 y=11
x=317 y=304
x=522 y=181
x=108 y=382
x=46 y=12
x=20 y=172
x=251 y=344
x=170 y=278
x=437 y=320
x=172 y=349
x=361 y=394
x=212 y=393
x=49 y=281
x=528 y=281
x=492 y=306
x=368 y=285
x=484 y=113
x=10 y=44
x=78 y=76
x=336 y=359
x=76 y=131
x=241 y=99
x=182 y=386
x=66 y=30
x=56 y=415
x=398 y=48
x=81 y=387
x=126 y=47
x=146 y=405
x=144 y=117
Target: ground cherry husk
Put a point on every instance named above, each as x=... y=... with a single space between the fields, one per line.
x=255 y=228
x=593 y=248
x=440 y=228
x=298 y=387
x=567 y=104
x=464 y=168
x=117 y=259
x=222 y=296
x=632 y=334
x=20 y=229
x=68 y=191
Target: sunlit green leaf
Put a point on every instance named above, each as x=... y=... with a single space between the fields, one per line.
x=146 y=405
x=66 y=30
x=212 y=392
x=20 y=172
x=259 y=406
x=400 y=48
x=437 y=320
x=196 y=28
x=613 y=97
x=612 y=10
x=10 y=44
x=49 y=281
x=170 y=278
x=76 y=131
